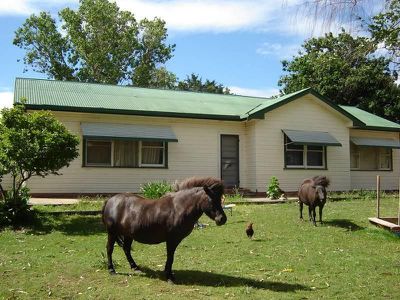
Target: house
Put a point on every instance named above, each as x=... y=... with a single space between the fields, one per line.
x=130 y=136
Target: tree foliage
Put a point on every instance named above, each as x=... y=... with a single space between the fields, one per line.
x=31 y=144
x=195 y=83
x=343 y=69
x=385 y=29
x=96 y=43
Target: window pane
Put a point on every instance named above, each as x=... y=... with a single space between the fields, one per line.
x=368 y=158
x=98 y=152
x=354 y=160
x=315 y=158
x=385 y=158
x=126 y=153
x=294 y=158
x=152 y=156
x=354 y=156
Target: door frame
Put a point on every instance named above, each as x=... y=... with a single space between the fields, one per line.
x=238 y=155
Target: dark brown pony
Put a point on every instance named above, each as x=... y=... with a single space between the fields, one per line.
x=170 y=219
x=312 y=192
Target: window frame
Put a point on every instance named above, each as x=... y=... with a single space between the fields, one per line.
x=140 y=165
x=305 y=150
x=97 y=164
x=378 y=158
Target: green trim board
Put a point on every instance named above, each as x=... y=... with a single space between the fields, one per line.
x=312 y=138
x=128 y=131
x=375 y=142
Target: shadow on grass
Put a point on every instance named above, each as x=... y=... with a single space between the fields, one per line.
x=343 y=223
x=194 y=277
x=67 y=224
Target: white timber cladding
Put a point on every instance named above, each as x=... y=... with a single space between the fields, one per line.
x=309 y=114
x=367 y=179
x=197 y=153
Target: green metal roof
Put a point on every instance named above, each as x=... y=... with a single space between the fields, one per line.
x=102 y=98
x=89 y=97
x=371 y=121
x=375 y=142
x=128 y=131
x=314 y=138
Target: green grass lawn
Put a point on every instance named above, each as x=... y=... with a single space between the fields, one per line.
x=346 y=258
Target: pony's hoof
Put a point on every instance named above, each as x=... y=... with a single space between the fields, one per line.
x=170 y=281
x=111 y=271
x=137 y=270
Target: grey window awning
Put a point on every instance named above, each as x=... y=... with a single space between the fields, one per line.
x=375 y=142
x=313 y=138
x=128 y=132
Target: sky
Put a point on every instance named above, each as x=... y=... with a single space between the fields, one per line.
x=237 y=43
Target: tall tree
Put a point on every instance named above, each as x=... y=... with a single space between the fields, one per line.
x=96 y=43
x=385 y=29
x=343 y=69
x=195 y=83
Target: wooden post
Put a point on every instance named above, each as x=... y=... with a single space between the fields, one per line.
x=378 y=198
x=398 y=213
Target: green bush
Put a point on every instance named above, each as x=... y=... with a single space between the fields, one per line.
x=273 y=190
x=236 y=196
x=154 y=190
x=14 y=209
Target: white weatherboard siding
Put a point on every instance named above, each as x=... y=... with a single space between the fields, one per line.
x=250 y=151
x=197 y=153
x=306 y=113
x=367 y=179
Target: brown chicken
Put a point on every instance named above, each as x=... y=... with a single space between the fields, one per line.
x=250 y=230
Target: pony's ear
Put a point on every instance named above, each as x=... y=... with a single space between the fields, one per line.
x=209 y=192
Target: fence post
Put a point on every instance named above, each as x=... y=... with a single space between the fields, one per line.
x=398 y=213
x=378 y=198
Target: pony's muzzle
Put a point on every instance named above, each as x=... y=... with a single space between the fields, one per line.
x=220 y=219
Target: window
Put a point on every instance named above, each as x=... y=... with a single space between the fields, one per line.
x=98 y=153
x=354 y=157
x=122 y=153
x=370 y=158
x=303 y=156
x=152 y=154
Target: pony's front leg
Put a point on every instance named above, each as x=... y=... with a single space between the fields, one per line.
x=171 y=247
x=320 y=213
x=314 y=215
x=310 y=213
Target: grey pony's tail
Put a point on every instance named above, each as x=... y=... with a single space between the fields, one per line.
x=321 y=180
x=119 y=238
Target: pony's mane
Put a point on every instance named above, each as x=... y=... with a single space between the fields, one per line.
x=196 y=182
x=321 y=180
x=317 y=180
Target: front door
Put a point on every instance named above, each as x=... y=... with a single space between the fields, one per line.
x=230 y=160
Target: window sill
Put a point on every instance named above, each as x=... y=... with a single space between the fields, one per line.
x=372 y=170
x=115 y=167
x=304 y=168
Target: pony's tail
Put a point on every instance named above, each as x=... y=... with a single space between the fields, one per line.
x=321 y=180
x=102 y=212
